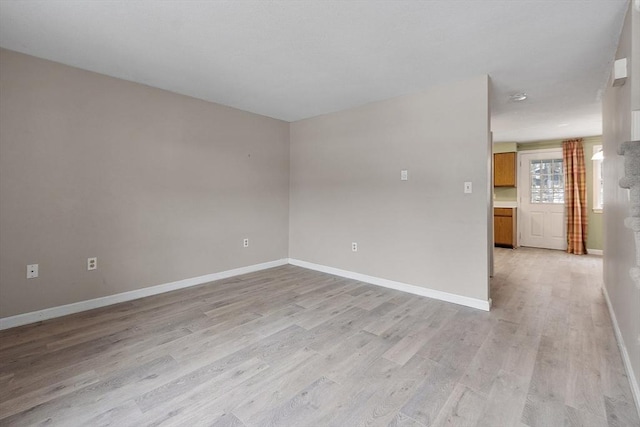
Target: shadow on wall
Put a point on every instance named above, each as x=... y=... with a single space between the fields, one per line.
x=631 y=180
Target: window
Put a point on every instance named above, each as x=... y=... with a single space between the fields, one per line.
x=547 y=181
x=598 y=187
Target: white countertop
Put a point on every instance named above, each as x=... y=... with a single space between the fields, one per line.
x=499 y=204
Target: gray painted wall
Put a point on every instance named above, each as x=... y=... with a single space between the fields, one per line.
x=159 y=186
x=619 y=246
x=346 y=187
x=162 y=187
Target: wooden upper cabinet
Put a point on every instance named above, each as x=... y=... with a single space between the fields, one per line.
x=504 y=170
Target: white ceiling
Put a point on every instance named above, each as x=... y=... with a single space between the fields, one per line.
x=297 y=59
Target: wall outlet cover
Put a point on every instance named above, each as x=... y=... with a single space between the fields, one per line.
x=32 y=271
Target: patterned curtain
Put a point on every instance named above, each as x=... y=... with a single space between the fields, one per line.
x=575 y=196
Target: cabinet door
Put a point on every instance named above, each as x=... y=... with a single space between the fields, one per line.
x=503 y=230
x=504 y=170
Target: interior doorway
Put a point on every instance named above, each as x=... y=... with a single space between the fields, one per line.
x=541 y=199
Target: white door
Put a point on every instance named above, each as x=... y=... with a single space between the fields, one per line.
x=541 y=185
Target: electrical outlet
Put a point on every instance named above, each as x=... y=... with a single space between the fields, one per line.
x=92 y=263
x=354 y=247
x=32 y=271
x=245 y=243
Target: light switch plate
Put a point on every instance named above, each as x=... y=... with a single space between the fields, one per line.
x=404 y=175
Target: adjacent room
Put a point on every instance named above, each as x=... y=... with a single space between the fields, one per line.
x=320 y=213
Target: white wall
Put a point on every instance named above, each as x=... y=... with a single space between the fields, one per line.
x=619 y=245
x=345 y=187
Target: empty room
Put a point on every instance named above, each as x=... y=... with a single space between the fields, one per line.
x=320 y=213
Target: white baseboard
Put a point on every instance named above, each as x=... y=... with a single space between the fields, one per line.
x=63 y=310
x=633 y=382
x=412 y=289
x=595 y=251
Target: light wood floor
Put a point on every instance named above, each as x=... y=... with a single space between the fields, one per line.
x=293 y=347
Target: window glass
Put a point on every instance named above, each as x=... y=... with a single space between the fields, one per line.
x=546 y=181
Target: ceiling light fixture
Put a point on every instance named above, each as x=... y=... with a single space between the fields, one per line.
x=518 y=97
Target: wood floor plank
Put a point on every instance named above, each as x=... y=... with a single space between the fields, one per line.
x=274 y=391
x=542 y=411
x=386 y=321
x=227 y=420
x=401 y=420
x=621 y=413
x=329 y=290
x=432 y=395
x=269 y=324
x=521 y=355
x=41 y=395
x=408 y=346
x=576 y=418
x=161 y=324
x=198 y=406
x=358 y=362
x=294 y=347
x=297 y=410
x=317 y=314
x=378 y=401
x=549 y=378
x=84 y=403
x=44 y=330
x=117 y=416
x=213 y=374
x=505 y=401
x=463 y=408
x=584 y=390
x=489 y=360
